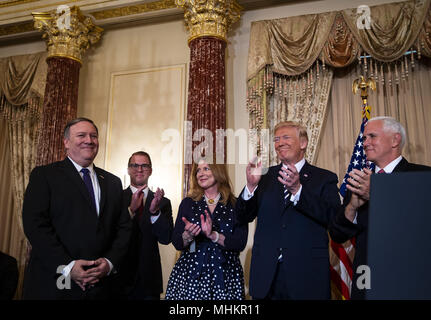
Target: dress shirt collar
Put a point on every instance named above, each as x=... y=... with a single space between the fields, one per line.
x=134 y=189
x=78 y=167
x=298 y=165
x=391 y=166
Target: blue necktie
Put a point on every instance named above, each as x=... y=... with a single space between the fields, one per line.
x=89 y=185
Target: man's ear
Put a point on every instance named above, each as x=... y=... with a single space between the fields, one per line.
x=66 y=143
x=303 y=143
x=396 y=140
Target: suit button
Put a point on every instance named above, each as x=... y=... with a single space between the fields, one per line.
x=283 y=226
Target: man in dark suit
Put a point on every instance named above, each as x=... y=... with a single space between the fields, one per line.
x=8 y=276
x=383 y=140
x=75 y=222
x=151 y=213
x=293 y=202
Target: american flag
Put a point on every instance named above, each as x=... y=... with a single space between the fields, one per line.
x=342 y=259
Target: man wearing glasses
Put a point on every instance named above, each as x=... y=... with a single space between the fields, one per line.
x=151 y=212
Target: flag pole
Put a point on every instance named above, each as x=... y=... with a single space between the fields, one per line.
x=341 y=267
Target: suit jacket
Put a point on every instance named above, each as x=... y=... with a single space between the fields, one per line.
x=8 y=276
x=142 y=272
x=62 y=225
x=300 y=232
x=342 y=229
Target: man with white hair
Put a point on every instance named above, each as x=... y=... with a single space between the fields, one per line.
x=384 y=139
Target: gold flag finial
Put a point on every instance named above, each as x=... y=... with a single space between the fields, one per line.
x=363 y=84
x=360 y=83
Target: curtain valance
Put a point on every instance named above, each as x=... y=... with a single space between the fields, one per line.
x=291 y=45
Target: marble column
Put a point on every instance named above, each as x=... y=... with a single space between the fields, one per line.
x=208 y=23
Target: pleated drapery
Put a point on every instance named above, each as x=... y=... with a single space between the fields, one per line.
x=296 y=52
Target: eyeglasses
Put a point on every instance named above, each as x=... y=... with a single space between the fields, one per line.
x=144 y=166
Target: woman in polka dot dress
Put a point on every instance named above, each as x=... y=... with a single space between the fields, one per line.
x=210 y=239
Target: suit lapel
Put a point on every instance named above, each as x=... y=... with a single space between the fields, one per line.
x=305 y=173
x=102 y=185
x=401 y=166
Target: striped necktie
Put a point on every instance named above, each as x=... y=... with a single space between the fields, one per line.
x=287 y=195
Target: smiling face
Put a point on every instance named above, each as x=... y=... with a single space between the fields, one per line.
x=381 y=146
x=289 y=146
x=204 y=176
x=139 y=170
x=82 y=144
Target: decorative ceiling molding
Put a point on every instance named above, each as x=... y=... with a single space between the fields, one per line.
x=16 y=20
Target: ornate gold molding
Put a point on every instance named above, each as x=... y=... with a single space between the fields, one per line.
x=209 y=17
x=16 y=29
x=136 y=9
x=11 y=3
x=67 y=34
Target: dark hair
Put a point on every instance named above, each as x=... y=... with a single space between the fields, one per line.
x=75 y=121
x=140 y=153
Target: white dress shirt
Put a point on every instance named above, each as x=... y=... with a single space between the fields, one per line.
x=144 y=199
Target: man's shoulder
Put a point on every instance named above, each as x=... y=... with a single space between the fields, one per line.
x=418 y=167
x=53 y=166
x=106 y=174
x=404 y=165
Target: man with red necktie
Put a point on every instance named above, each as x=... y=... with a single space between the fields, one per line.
x=151 y=213
x=384 y=139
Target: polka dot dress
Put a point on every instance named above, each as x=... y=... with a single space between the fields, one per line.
x=210 y=272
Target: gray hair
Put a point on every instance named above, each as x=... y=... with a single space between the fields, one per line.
x=392 y=125
x=66 y=132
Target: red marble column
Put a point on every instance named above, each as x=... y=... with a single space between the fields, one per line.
x=206 y=107
x=60 y=106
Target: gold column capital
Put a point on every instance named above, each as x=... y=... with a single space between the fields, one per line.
x=209 y=17
x=67 y=32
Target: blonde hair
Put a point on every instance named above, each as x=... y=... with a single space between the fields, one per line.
x=293 y=124
x=223 y=183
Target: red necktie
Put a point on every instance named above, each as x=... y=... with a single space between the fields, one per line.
x=140 y=211
x=381 y=171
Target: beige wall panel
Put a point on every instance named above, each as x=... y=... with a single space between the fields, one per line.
x=144 y=104
x=134 y=86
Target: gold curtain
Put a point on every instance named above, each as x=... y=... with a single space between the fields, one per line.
x=393 y=29
x=21 y=101
x=405 y=101
x=291 y=47
x=304 y=99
